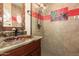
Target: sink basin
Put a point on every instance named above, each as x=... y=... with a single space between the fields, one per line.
x=13 y=41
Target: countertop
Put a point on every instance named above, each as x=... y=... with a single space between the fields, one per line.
x=5 y=49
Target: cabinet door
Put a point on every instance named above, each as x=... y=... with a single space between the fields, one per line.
x=37 y=52
x=33 y=46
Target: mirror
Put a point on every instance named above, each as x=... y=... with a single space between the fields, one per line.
x=7 y=22
x=13 y=16
x=17 y=14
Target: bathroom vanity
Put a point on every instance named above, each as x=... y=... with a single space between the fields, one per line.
x=29 y=47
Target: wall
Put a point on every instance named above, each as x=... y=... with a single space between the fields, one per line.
x=35 y=30
x=1 y=15
x=61 y=37
x=27 y=19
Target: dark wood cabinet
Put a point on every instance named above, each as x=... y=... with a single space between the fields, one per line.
x=31 y=49
x=36 y=52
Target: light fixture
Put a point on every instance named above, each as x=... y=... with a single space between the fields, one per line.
x=78 y=17
x=19 y=20
x=74 y=17
x=29 y=12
